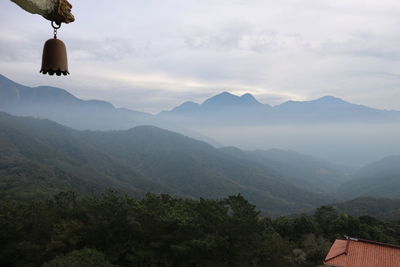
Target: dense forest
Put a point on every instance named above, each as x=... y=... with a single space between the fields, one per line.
x=161 y=230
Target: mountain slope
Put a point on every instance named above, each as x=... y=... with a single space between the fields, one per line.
x=226 y=99
x=136 y=161
x=378 y=179
x=193 y=168
x=382 y=208
x=225 y=102
x=45 y=143
x=302 y=170
x=224 y=108
x=58 y=105
x=331 y=109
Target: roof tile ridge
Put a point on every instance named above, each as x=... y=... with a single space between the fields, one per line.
x=333 y=257
x=346 y=251
x=340 y=254
x=378 y=243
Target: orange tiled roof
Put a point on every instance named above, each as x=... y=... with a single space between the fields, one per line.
x=362 y=253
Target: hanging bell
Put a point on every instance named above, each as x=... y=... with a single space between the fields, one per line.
x=54 y=59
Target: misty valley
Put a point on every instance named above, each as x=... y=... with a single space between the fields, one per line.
x=227 y=182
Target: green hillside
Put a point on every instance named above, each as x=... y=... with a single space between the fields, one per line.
x=143 y=159
x=382 y=208
x=302 y=170
x=379 y=179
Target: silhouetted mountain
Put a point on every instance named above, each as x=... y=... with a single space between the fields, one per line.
x=134 y=161
x=15 y=96
x=187 y=108
x=224 y=102
x=229 y=100
x=224 y=108
x=221 y=110
x=58 y=105
x=228 y=109
x=328 y=127
x=302 y=170
x=331 y=109
x=378 y=179
x=327 y=103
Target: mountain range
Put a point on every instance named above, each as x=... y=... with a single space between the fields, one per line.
x=223 y=109
x=92 y=146
x=59 y=105
x=232 y=110
x=328 y=127
x=40 y=157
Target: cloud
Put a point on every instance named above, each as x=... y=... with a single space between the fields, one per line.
x=153 y=55
x=102 y=49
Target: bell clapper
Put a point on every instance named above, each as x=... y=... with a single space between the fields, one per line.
x=54 y=59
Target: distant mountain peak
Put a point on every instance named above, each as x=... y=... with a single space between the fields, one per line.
x=325 y=101
x=228 y=99
x=329 y=98
x=248 y=97
x=222 y=98
x=186 y=107
x=225 y=93
x=189 y=104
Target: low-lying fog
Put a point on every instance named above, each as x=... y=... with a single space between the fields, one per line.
x=350 y=144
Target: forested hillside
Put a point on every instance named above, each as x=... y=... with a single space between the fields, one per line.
x=382 y=208
x=378 y=179
x=302 y=170
x=40 y=157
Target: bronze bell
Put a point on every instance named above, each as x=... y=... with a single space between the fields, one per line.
x=54 y=59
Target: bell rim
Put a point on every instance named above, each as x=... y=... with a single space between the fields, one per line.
x=51 y=72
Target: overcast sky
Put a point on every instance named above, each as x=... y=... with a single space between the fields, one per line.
x=152 y=55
